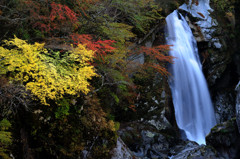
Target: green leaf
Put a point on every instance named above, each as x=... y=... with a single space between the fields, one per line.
x=5 y=124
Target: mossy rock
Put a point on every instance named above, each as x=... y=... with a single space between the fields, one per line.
x=170 y=5
x=225 y=138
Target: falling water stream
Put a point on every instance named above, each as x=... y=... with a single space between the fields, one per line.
x=193 y=107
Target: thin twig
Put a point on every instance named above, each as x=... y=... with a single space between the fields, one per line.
x=92 y=145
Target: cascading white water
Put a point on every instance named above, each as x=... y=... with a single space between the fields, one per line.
x=193 y=108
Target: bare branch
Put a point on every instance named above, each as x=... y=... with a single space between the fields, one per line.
x=10 y=20
x=13 y=97
x=108 y=83
x=5 y=7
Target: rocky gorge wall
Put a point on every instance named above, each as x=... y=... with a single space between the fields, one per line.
x=155 y=134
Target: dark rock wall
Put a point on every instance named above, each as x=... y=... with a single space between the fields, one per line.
x=238 y=106
x=225 y=139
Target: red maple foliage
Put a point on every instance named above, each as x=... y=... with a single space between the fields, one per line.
x=62 y=12
x=101 y=47
x=51 y=17
x=159 y=54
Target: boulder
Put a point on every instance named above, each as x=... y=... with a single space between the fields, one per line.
x=194 y=151
x=145 y=141
x=225 y=138
x=121 y=151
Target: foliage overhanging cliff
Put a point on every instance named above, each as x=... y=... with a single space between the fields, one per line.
x=69 y=68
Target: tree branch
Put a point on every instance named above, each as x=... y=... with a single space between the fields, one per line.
x=15 y=20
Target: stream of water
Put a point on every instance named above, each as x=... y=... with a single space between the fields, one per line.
x=193 y=107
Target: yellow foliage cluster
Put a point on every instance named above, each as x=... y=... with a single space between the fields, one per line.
x=45 y=76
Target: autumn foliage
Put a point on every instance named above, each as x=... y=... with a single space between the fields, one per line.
x=159 y=56
x=47 y=77
x=53 y=17
x=75 y=56
x=101 y=47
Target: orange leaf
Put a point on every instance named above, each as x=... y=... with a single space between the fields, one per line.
x=201 y=14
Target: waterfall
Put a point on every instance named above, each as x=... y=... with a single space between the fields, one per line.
x=192 y=104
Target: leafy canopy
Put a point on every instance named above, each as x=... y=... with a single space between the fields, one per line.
x=48 y=75
x=5 y=138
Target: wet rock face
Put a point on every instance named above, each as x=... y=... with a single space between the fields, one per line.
x=225 y=139
x=121 y=151
x=214 y=54
x=212 y=49
x=146 y=141
x=216 y=62
x=153 y=102
x=236 y=59
x=238 y=106
x=224 y=104
x=215 y=43
x=194 y=151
